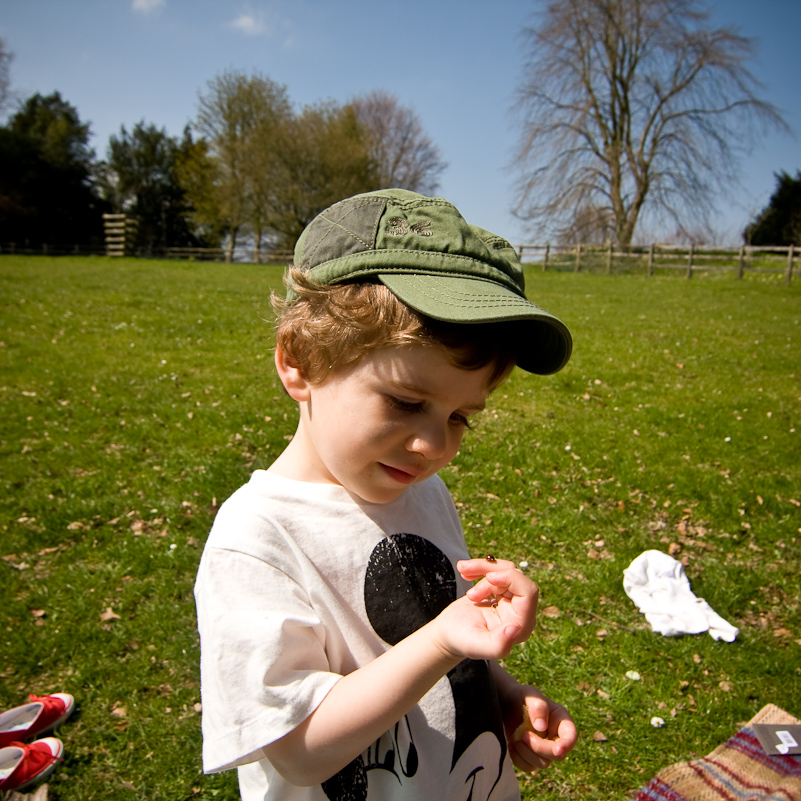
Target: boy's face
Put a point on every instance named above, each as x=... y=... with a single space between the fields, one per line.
x=391 y=420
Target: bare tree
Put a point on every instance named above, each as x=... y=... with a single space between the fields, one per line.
x=403 y=154
x=630 y=107
x=589 y=225
x=5 y=79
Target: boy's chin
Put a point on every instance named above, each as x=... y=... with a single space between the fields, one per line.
x=377 y=494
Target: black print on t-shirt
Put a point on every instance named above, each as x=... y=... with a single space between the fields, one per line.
x=409 y=581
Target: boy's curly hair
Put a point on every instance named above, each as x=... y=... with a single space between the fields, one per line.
x=330 y=327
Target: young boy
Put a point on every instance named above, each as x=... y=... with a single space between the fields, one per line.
x=345 y=652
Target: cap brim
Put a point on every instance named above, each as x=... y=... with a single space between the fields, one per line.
x=545 y=343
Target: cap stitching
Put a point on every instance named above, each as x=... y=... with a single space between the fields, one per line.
x=506 y=280
x=336 y=224
x=453 y=300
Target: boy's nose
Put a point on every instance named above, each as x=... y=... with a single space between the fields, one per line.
x=430 y=442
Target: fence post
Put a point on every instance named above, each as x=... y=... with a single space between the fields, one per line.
x=790 y=255
x=120 y=231
x=609 y=260
x=651 y=260
x=545 y=258
x=577 y=268
x=741 y=262
x=690 y=262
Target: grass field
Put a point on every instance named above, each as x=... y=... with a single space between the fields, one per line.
x=137 y=395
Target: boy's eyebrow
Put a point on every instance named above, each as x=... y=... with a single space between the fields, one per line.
x=416 y=390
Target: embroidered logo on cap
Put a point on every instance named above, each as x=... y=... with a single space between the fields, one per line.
x=397 y=226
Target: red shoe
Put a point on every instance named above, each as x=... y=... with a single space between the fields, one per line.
x=28 y=721
x=22 y=766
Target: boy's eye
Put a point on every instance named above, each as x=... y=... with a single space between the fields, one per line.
x=462 y=420
x=404 y=405
x=413 y=407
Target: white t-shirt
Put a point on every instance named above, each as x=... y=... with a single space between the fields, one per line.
x=299 y=585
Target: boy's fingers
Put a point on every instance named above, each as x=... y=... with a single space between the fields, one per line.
x=564 y=730
x=481 y=591
x=472 y=569
x=526 y=759
x=560 y=737
x=520 y=597
x=504 y=578
x=539 y=750
x=506 y=636
x=554 y=733
x=539 y=713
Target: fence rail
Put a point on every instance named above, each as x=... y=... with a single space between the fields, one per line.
x=611 y=259
x=241 y=255
x=604 y=259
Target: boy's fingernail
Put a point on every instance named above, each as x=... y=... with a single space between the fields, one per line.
x=540 y=725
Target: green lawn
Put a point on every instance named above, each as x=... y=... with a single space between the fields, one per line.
x=137 y=395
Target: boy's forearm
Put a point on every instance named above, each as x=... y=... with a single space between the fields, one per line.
x=505 y=683
x=360 y=707
x=508 y=689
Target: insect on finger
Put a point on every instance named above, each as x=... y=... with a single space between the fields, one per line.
x=490 y=558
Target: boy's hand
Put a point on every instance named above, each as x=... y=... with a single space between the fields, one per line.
x=554 y=732
x=495 y=614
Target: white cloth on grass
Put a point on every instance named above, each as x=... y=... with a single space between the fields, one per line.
x=659 y=587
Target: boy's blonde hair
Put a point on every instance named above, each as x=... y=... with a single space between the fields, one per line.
x=327 y=327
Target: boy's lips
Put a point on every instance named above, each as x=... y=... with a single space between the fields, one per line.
x=406 y=475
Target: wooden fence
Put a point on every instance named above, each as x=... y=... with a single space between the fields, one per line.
x=649 y=259
x=120 y=231
x=599 y=259
x=241 y=255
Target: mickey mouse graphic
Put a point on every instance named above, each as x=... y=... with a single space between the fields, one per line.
x=408 y=582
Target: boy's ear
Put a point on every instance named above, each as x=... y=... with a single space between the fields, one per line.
x=291 y=375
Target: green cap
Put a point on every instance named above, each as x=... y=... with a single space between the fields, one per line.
x=428 y=256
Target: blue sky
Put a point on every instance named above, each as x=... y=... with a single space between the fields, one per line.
x=457 y=63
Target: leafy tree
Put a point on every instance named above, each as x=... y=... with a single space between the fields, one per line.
x=403 y=154
x=324 y=157
x=197 y=174
x=47 y=190
x=630 y=106
x=55 y=127
x=231 y=184
x=140 y=178
x=263 y=170
x=779 y=223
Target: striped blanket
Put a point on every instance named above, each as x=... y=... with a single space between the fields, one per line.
x=738 y=770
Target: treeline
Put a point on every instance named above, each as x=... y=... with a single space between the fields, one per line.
x=249 y=169
x=48 y=191
x=779 y=223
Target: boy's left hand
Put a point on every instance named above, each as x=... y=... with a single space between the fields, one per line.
x=554 y=732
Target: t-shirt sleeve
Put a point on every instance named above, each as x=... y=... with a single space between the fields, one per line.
x=264 y=668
